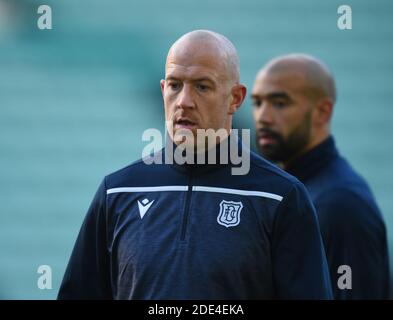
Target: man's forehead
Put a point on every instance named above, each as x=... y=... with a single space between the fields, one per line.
x=290 y=82
x=193 y=59
x=196 y=71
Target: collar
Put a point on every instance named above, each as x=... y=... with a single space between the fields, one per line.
x=314 y=160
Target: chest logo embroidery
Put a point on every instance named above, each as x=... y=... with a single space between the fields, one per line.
x=229 y=215
x=144 y=206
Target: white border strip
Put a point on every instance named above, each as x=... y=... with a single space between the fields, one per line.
x=197 y=188
x=239 y=192
x=147 y=189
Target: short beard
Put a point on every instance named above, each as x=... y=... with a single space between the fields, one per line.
x=287 y=149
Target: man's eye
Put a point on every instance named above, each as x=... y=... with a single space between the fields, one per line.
x=202 y=87
x=174 y=85
x=280 y=104
x=256 y=103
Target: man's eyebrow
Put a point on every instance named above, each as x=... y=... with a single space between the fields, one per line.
x=172 y=78
x=201 y=79
x=272 y=95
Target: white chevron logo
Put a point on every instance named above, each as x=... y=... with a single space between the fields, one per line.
x=144 y=206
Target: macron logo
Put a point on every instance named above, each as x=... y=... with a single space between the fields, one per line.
x=144 y=206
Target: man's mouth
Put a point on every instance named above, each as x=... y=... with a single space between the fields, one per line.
x=266 y=138
x=185 y=123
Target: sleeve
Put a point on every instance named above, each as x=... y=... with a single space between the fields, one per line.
x=88 y=272
x=300 y=268
x=354 y=234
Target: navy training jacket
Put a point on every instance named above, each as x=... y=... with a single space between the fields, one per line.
x=169 y=231
x=352 y=226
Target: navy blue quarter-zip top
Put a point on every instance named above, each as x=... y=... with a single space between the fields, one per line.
x=169 y=231
x=352 y=226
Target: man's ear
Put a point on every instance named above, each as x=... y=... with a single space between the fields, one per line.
x=324 y=111
x=162 y=85
x=238 y=95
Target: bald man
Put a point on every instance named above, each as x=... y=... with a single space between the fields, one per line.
x=293 y=98
x=197 y=230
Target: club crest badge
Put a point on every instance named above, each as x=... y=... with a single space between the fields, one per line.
x=229 y=215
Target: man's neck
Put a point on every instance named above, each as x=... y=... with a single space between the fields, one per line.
x=317 y=140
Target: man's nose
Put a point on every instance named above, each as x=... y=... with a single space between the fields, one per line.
x=185 y=98
x=265 y=114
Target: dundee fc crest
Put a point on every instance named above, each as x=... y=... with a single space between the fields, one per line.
x=229 y=215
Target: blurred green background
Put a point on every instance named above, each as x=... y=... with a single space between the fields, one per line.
x=75 y=100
